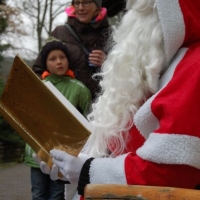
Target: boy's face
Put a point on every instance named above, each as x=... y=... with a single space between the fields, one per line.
x=57 y=63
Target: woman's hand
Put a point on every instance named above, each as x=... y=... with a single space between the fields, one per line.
x=97 y=57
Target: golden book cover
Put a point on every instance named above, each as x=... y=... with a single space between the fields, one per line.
x=40 y=114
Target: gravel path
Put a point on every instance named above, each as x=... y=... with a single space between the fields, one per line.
x=15 y=182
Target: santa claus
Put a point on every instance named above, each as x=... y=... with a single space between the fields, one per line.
x=145 y=122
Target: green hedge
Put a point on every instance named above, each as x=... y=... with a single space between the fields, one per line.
x=11 y=144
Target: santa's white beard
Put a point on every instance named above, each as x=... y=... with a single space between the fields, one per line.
x=129 y=76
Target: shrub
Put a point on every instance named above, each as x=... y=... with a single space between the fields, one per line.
x=10 y=141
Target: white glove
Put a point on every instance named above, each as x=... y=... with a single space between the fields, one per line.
x=43 y=165
x=70 y=166
x=53 y=172
x=36 y=158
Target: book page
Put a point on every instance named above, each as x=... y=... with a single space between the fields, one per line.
x=68 y=105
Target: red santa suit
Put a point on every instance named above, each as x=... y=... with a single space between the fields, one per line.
x=164 y=149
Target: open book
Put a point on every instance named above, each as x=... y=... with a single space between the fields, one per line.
x=40 y=114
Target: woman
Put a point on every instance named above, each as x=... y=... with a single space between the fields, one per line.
x=89 y=21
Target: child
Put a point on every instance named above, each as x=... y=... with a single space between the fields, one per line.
x=56 y=60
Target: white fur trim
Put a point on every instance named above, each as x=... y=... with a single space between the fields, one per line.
x=108 y=170
x=166 y=77
x=144 y=119
x=171 y=149
x=173 y=25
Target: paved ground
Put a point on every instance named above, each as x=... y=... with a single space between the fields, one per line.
x=15 y=182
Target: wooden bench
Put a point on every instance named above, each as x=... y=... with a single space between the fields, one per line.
x=137 y=192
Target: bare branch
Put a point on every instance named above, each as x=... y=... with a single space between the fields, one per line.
x=34 y=19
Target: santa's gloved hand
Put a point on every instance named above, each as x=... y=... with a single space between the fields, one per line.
x=43 y=165
x=53 y=172
x=36 y=158
x=70 y=166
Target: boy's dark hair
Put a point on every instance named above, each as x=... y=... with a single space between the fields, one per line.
x=50 y=46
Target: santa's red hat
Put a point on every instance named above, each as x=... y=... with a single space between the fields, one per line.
x=180 y=24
